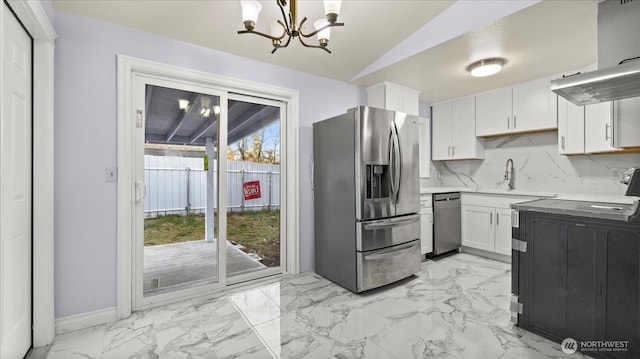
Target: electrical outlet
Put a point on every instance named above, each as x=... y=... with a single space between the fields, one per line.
x=111 y=174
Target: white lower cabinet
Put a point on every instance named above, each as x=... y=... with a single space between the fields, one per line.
x=503 y=231
x=478 y=230
x=486 y=221
x=426 y=224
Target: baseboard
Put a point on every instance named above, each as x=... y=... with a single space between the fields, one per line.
x=85 y=320
x=490 y=255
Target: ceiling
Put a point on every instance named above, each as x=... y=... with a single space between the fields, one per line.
x=167 y=123
x=424 y=45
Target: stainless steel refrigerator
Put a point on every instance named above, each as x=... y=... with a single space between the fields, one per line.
x=366 y=198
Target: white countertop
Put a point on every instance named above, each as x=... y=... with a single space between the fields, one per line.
x=429 y=190
x=592 y=197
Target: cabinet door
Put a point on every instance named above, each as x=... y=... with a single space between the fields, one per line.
x=478 y=227
x=543 y=299
x=503 y=231
x=442 y=131
x=493 y=112
x=464 y=142
x=425 y=147
x=394 y=98
x=570 y=128
x=627 y=124
x=580 y=281
x=598 y=128
x=534 y=107
x=411 y=101
x=426 y=230
x=623 y=290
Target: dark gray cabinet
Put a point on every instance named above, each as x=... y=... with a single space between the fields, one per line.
x=579 y=278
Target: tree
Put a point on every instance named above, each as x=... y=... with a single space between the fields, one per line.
x=257 y=147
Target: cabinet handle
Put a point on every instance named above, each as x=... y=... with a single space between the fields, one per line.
x=453 y=150
x=508 y=123
x=562 y=142
x=497 y=220
x=490 y=218
x=606 y=131
x=515 y=124
x=449 y=151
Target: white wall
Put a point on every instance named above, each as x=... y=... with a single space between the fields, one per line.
x=538 y=167
x=85 y=143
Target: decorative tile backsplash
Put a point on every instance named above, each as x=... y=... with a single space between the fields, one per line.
x=537 y=167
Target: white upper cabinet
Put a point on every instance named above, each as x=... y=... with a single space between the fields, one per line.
x=453 y=136
x=424 y=125
x=527 y=107
x=394 y=97
x=598 y=128
x=570 y=128
x=626 y=129
x=493 y=112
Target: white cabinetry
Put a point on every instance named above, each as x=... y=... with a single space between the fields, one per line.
x=527 y=107
x=426 y=224
x=424 y=126
x=486 y=221
x=598 y=132
x=454 y=131
x=570 y=128
x=391 y=96
x=626 y=129
x=394 y=97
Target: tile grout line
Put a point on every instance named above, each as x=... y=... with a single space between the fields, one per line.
x=253 y=328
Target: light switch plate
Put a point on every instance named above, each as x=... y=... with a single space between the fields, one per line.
x=111 y=174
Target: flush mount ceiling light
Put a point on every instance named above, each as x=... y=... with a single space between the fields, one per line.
x=289 y=27
x=183 y=104
x=486 y=67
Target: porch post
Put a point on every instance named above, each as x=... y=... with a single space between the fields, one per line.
x=209 y=210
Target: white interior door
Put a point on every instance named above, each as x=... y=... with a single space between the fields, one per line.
x=15 y=188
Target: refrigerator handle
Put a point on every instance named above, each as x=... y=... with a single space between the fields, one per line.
x=397 y=162
x=392 y=152
x=392 y=223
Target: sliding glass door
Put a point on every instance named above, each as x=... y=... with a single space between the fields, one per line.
x=208 y=193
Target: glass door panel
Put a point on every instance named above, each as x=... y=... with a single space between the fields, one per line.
x=254 y=237
x=180 y=253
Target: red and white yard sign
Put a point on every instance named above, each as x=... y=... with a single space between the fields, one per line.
x=251 y=190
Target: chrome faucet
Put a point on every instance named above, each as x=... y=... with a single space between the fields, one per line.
x=508 y=173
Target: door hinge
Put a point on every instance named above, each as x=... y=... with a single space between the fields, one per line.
x=518 y=245
x=515 y=308
x=515 y=219
x=138 y=118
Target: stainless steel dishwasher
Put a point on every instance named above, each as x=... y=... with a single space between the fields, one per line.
x=447 y=228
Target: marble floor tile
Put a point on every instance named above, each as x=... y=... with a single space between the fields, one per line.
x=454 y=307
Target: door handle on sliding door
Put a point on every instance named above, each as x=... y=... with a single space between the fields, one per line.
x=140 y=188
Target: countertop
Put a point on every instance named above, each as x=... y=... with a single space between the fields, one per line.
x=591 y=197
x=603 y=210
x=430 y=190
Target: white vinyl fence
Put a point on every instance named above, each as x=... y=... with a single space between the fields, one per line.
x=178 y=185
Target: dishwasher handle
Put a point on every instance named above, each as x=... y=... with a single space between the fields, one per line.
x=443 y=197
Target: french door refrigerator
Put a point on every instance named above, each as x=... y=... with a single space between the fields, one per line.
x=366 y=198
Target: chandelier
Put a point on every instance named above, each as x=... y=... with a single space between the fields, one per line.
x=288 y=27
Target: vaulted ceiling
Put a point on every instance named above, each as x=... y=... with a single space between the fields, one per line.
x=424 y=45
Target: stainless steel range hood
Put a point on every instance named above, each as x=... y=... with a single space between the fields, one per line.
x=618 y=74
